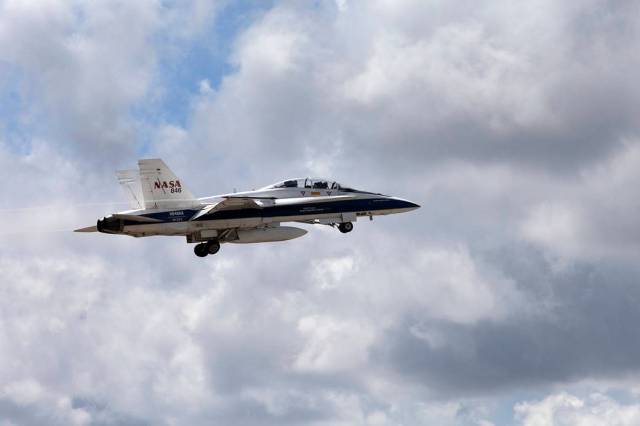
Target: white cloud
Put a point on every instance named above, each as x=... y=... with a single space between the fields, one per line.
x=332 y=345
x=555 y=225
x=588 y=217
x=31 y=395
x=23 y=392
x=88 y=64
x=566 y=409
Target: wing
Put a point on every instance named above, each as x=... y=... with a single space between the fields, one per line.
x=233 y=203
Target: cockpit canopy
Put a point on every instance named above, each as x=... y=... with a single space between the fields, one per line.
x=313 y=183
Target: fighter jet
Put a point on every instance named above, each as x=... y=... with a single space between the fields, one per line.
x=162 y=205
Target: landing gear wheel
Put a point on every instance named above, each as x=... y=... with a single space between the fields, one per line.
x=213 y=247
x=345 y=227
x=201 y=250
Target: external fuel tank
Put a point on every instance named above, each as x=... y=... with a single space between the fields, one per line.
x=263 y=235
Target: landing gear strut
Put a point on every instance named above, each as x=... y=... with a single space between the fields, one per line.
x=203 y=249
x=345 y=227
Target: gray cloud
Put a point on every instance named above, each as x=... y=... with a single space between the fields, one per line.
x=582 y=318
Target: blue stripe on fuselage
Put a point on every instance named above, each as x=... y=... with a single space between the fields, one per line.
x=174 y=215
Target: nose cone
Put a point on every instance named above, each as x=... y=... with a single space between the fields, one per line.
x=405 y=205
x=412 y=205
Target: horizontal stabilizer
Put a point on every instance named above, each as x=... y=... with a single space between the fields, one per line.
x=134 y=218
x=87 y=229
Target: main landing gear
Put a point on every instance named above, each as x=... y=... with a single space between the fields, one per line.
x=203 y=249
x=345 y=227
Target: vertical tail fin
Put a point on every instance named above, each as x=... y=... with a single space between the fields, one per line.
x=161 y=188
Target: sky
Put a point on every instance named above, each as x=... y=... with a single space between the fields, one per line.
x=510 y=298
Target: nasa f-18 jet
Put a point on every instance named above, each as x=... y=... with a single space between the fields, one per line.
x=162 y=205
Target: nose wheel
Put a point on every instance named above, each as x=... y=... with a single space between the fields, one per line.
x=203 y=249
x=345 y=227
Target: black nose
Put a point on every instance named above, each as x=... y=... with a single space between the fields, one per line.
x=411 y=205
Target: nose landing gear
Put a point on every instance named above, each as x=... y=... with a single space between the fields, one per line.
x=203 y=249
x=345 y=227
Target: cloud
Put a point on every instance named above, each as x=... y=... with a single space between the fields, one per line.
x=567 y=409
x=30 y=404
x=406 y=89
x=85 y=73
x=590 y=219
x=88 y=65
